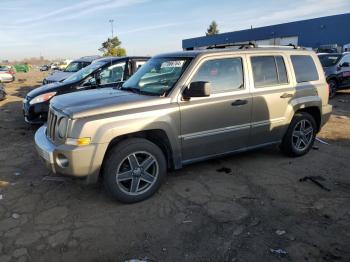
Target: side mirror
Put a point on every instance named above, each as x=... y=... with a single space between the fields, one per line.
x=197 y=89
x=118 y=85
x=345 y=64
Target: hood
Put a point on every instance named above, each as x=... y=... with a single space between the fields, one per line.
x=101 y=101
x=57 y=76
x=45 y=89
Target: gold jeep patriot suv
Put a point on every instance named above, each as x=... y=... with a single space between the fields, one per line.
x=184 y=107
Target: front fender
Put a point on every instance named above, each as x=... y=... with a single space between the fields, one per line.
x=102 y=129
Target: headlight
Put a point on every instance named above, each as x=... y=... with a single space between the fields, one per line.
x=42 y=98
x=62 y=127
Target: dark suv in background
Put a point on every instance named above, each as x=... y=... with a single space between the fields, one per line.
x=73 y=67
x=104 y=72
x=337 y=71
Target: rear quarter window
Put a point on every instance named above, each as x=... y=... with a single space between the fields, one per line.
x=304 y=68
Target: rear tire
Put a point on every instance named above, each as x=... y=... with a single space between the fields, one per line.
x=133 y=170
x=300 y=135
x=332 y=88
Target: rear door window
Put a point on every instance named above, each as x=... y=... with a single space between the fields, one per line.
x=304 y=68
x=269 y=70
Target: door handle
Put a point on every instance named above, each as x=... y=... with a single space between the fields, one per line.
x=286 y=95
x=239 y=102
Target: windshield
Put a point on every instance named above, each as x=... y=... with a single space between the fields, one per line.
x=329 y=60
x=76 y=66
x=158 y=76
x=81 y=74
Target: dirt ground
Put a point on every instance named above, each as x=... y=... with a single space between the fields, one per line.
x=246 y=207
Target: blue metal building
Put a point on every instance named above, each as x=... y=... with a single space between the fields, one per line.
x=313 y=33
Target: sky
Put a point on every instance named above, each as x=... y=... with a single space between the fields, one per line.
x=75 y=28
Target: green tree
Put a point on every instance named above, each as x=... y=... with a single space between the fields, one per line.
x=212 y=29
x=112 y=47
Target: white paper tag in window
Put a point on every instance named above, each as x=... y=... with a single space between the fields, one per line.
x=177 y=63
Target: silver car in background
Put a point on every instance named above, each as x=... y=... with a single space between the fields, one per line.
x=73 y=67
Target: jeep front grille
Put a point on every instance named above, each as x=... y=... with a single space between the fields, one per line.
x=51 y=125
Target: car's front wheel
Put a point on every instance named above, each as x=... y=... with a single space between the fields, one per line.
x=300 y=135
x=133 y=170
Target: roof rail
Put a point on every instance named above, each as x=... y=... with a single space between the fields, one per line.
x=253 y=45
x=240 y=46
x=291 y=46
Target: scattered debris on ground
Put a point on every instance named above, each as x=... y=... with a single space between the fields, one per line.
x=4 y=183
x=278 y=251
x=321 y=141
x=225 y=170
x=138 y=260
x=315 y=148
x=54 y=178
x=15 y=216
x=315 y=180
x=280 y=232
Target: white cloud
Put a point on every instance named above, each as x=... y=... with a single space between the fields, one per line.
x=150 y=28
x=78 y=10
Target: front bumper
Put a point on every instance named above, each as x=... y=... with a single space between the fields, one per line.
x=326 y=114
x=45 y=148
x=78 y=161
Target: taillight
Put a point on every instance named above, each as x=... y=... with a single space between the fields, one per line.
x=329 y=88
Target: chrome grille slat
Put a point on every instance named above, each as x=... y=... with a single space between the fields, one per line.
x=48 y=123
x=51 y=125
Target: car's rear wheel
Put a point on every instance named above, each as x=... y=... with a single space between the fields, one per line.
x=300 y=135
x=332 y=88
x=133 y=170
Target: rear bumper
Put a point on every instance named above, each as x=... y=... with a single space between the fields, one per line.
x=70 y=160
x=326 y=114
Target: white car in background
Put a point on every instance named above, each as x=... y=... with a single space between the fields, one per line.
x=6 y=75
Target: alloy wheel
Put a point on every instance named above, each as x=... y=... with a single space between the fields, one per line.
x=137 y=173
x=302 y=135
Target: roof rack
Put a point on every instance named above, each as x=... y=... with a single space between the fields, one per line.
x=253 y=45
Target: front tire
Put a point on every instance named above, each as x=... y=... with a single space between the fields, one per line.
x=300 y=135
x=133 y=170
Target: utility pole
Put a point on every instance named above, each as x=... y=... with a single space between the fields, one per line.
x=111 y=21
